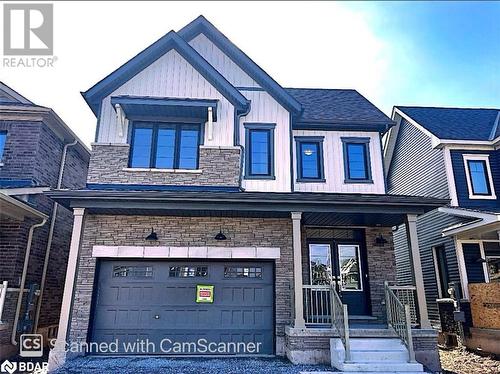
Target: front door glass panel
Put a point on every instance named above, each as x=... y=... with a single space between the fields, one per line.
x=349 y=265
x=320 y=264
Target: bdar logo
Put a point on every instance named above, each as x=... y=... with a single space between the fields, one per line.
x=28 y=29
x=8 y=367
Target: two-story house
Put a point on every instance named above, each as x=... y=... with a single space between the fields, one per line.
x=451 y=153
x=38 y=152
x=221 y=206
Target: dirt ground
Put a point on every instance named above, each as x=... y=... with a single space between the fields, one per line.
x=461 y=361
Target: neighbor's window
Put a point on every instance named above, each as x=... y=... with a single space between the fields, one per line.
x=259 y=151
x=309 y=159
x=478 y=176
x=357 y=160
x=320 y=264
x=164 y=145
x=3 y=138
x=493 y=264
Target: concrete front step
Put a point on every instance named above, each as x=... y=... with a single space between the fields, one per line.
x=379 y=356
x=382 y=367
x=376 y=344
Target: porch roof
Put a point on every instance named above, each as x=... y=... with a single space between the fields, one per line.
x=318 y=208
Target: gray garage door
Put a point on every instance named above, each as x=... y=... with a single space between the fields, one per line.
x=149 y=307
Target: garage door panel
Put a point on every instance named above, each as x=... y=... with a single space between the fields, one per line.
x=157 y=300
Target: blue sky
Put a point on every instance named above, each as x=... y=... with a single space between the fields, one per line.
x=394 y=53
x=443 y=53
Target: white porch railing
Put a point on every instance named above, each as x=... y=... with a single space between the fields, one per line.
x=323 y=307
x=406 y=294
x=317 y=305
x=399 y=318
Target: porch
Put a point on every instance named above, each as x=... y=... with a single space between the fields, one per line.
x=346 y=291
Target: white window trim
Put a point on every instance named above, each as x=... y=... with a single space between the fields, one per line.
x=486 y=158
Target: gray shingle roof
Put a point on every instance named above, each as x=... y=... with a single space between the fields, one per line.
x=457 y=123
x=337 y=106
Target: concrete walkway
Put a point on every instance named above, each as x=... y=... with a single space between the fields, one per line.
x=136 y=365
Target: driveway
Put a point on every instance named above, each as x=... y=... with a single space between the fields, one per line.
x=162 y=365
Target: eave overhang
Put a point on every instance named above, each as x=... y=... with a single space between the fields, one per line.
x=338 y=125
x=15 y=209
x=246 y=201
x=481 y=222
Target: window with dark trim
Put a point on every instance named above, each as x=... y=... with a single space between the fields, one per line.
x=442 y=270
x=310 y=159
x=357 y=160
x=164 y=145
x=479 y=178
x=3 y=138
x=259 y=145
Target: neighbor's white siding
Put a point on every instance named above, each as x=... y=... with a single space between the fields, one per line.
x=333 y=156
x=221 y=62
x=266 y=109
x=169 y=76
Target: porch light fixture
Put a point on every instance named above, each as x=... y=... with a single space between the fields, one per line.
x=152 y=236
x=220 y=236
x=380 y=241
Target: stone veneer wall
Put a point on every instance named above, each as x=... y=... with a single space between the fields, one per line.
x=182 y=231
x=218 y=166
x=381 y=266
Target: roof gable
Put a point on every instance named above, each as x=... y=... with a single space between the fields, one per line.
x=10 y=96
x=170 y=41
x=202 y=25
x=456 y=123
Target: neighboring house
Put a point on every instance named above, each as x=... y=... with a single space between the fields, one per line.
x=451 y=153
x=206 y=172
x=38 y=152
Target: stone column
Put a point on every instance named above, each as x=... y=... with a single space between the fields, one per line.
x=412 y=237
x=57 y=355
x=297 y=271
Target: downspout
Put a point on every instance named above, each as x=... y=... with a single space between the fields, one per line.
x=51 y=234
x=236 y=136
x=23 y=279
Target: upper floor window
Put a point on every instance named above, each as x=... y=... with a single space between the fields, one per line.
x=357 y=160
x=164 y=145
x=3 y=138
x=478 y=175
x=310 y=159
x=259 y=155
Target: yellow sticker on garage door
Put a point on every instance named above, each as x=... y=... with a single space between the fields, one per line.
x=204 y=293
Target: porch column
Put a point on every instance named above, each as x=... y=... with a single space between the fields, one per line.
x=57 y=355
x=297 y=271
x=412 y=237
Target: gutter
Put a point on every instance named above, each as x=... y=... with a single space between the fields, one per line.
x=23 y=279
x=51 y=233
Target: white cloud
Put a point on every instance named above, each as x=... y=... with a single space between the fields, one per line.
x=306 y=44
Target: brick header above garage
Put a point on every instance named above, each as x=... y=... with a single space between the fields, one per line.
x=186 y=252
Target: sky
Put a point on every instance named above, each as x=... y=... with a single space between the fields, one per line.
x=394 y=53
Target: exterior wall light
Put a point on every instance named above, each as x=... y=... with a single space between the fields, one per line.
x=220 y=236
x=380 y=241
x=152 y=236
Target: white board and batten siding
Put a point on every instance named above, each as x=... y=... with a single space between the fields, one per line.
x=333 y=157
x=221 y=62
x=169 y=76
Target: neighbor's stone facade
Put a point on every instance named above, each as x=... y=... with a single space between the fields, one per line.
x=182 y=231
x=218 y=166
